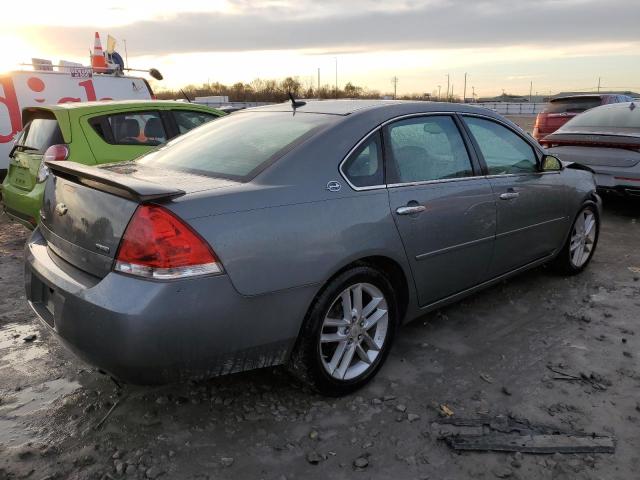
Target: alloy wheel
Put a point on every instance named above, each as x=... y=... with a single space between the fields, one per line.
x=583 y=237
x=354 y=331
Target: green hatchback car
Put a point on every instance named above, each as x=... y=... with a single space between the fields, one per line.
x=91 y=133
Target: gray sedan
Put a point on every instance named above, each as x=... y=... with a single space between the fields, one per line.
x=607 y=139
x=302 y=234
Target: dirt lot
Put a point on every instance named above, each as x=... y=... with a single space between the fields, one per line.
x=487 y=356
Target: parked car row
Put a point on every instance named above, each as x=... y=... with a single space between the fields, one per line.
x=562 y=109
x=301 y=234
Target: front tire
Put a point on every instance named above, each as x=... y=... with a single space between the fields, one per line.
x=348 y=332
x=581 y=244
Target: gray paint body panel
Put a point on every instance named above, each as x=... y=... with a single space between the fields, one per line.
x=281 y=237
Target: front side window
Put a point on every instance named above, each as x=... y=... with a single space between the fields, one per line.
x=238 y=146
x=364 y=168
x=427 y=148
x=504 y=151
x=188 y=119
x=134 y=128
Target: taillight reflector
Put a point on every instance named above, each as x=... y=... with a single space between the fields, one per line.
x=56 y=153
x=157 y=244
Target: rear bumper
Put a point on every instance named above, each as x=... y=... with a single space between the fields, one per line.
x=21 y=205
x=147 y=332
x=621 y=182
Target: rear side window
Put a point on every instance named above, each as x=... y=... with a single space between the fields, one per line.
x=364 y=168
x=573 y=105
x=134 y=128
x=39 y=134
x=504 y=152
x=238 y=146
x=188 y=119
x=427 y=148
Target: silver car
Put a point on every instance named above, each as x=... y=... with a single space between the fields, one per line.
x=302 y=234
x=607 y=139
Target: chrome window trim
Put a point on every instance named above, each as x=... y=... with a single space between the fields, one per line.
x=377 y=129
x=431 y=182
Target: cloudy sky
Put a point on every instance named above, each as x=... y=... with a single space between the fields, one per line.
x=502 y=44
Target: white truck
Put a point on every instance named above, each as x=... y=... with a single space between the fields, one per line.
x=21 y=89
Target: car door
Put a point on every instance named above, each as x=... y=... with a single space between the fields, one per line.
x=532 y=217
x=121 y=136
x=443 y=207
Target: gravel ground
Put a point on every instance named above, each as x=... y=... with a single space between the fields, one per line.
x=488 y=355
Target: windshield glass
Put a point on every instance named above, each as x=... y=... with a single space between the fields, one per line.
x=572 y=105
x=238 y=146
x=39 y=134
x=620 y=115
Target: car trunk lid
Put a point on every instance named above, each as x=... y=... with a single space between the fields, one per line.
x=42 y=130
x=86 y=209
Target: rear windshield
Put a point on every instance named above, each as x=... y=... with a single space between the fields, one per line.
x=239 y=146
x=620 y=115
x=573 y=105
x=39 y=134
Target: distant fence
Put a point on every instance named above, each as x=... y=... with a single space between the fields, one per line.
x=513 y=108
x=233 y=104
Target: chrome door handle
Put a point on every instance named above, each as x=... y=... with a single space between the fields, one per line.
x=509 y=195
x=410 y=210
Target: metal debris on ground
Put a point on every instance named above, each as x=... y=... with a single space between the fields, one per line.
x=507 y=434
x=444 y=410
x=594 y=380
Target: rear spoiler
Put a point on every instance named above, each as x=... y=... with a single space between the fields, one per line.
x=126 y=186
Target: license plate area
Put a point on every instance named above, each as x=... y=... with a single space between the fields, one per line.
x=43 y=299
x=21 y=177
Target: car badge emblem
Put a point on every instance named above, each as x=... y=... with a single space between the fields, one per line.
x=61 y=209
x=103 y=248
x=632 y=106
x=334 y=186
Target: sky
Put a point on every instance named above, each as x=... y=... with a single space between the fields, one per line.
x=502 y=45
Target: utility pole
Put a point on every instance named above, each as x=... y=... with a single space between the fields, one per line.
x=126 y=56
x=318 y=82
x=336 y=59
x=464 y=92
x=447 y=87
x=451 y=97
x=598 y=84
x=439 y=86
x=530 y=90
x=473 y=93
x=394 y=80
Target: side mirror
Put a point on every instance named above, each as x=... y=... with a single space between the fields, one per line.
x=551 y=164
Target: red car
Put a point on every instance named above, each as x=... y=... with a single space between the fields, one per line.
x=562 y=109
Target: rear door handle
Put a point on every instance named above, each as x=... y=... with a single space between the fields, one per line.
x=410 y=210
x=509 y=195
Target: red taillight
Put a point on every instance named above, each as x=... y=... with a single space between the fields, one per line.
x=157 y=244
x=56 y=153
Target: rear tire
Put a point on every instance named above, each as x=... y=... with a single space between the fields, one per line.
x=581 y=244
x=347 y=333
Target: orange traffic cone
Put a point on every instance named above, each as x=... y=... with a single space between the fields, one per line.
x=98 y=60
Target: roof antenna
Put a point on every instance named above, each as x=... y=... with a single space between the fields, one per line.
x=185 y=95
x=295 y=103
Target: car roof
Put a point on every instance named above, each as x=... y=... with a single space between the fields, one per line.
x=106 y=105
x=582 y=95
x=348 y=107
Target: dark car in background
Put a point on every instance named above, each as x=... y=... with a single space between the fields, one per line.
x=562 y=109
x=607 y=139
